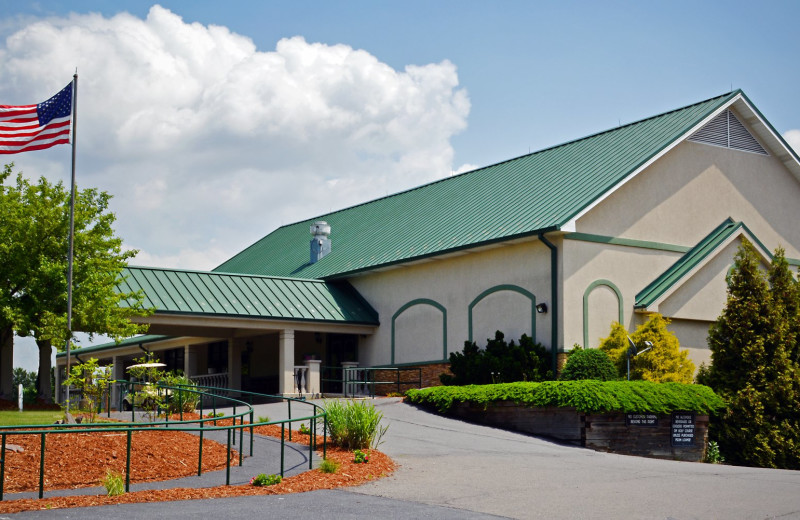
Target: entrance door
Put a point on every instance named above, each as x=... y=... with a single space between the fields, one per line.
x=340 y=348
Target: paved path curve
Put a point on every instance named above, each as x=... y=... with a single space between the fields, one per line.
x=455 y=470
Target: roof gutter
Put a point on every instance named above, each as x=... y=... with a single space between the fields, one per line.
x=553 y=301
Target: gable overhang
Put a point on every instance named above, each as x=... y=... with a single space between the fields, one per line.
x=741 y=231
x=765 y=132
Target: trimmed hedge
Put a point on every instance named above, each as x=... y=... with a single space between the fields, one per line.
x=586 y=396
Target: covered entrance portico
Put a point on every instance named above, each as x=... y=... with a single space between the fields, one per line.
x=255 y=333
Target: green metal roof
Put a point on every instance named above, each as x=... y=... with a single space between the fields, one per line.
x=689 y=261
x=172 y=291
x=520 y=197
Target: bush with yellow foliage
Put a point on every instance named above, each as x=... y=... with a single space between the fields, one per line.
x=662 y=363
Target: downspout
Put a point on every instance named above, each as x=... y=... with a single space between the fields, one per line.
x=553 y=301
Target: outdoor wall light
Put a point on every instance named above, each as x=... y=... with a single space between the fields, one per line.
x=541 y=308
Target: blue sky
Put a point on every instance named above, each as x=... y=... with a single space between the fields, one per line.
x=211 y=137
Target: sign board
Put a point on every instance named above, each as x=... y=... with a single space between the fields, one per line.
x=683 y=429
x=648 y=420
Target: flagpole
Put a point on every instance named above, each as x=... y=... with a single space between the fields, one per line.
x=71 y=224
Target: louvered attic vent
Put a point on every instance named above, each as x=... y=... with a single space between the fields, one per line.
x=727 y=131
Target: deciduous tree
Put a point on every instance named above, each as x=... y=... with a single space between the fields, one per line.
x=34 y=233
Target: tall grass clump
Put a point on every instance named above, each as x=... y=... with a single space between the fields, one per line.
x=114 y=483
x=354 y=425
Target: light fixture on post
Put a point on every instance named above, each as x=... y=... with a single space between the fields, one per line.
x=541 y=308
x=633 y=351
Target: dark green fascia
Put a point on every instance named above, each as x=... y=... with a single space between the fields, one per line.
x=129 y=342
x=347 y=274
x=769 y=125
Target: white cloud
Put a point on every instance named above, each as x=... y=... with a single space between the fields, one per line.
x=793 y=138
x=208 y=143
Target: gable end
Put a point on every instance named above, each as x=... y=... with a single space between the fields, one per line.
x=727 y=131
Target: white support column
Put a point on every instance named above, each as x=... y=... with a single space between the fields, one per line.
x=286 y=362
x=117 y=373
x=313 y=374
x=187 y=362
x=58 y=388
x=234 y=364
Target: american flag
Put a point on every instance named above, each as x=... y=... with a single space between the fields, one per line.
x=36 y=127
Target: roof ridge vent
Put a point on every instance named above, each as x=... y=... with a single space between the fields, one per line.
x=321 y=243
x=727 y=131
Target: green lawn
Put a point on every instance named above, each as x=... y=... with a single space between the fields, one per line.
x=23 y=418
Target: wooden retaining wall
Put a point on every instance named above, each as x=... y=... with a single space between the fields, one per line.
x=651 y=436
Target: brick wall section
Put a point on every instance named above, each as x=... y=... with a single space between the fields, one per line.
x=409 y=378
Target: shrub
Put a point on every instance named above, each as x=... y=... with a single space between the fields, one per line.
x=304 y=430
x=359 y=457
x=585 y=396
x=665 y=362
x=92 y=380
x=329 y=466
x=263 y=418
x=265 y=480
x=588 y=364
x=499 y=362
x=354 y=425
x=713 y=455
x=114 y=483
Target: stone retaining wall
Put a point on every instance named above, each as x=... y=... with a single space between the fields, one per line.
x=601 y=432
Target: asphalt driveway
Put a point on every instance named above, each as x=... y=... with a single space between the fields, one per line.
x=452 y=470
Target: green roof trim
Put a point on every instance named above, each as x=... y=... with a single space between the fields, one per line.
x=132 y=341
x=689 y=261
x=627 y=242
x=525 y=196
x=173 y=291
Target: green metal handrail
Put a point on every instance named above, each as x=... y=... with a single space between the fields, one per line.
x=182 y=425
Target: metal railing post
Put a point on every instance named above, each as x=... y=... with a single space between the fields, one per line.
x=2 y=465
x=289 y=403
x=200 y=452
x=228 y=461
x=283 y=427
x=251 y=430
x=128 y=463
x=241 y=439
x=41 y=470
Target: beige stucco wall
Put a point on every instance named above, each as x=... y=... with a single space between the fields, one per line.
x=630 y=269
x=692 y=189
x=507 y=311
x=419 y=334
x=679 y=200
x=455 y=283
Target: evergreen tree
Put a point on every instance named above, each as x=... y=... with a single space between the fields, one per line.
x=754 y=365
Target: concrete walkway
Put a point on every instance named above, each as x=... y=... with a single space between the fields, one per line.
x=453 y=470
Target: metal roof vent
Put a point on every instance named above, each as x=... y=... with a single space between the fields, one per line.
x=320 y=244
x=727 y=131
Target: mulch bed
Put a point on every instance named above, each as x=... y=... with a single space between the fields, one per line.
x=80 y=460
